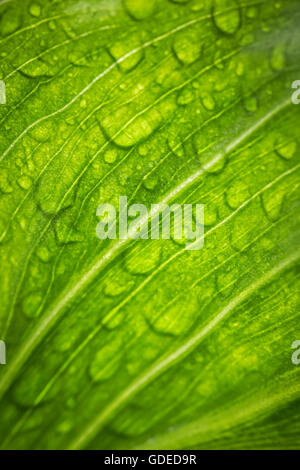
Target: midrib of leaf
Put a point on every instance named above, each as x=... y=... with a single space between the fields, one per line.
x=49 y=319
x=157 y=369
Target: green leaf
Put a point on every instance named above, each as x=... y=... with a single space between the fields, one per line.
x=122 y=344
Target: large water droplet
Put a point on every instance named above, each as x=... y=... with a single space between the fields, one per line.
x=227 y=16
x=187 y=48
x=272 y=201
x=9 y=21
x=122 y=52
x=139 y=9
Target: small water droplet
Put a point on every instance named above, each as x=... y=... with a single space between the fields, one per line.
x=285 y=147
x=107 y=360
x=208 y=102
x=5 y=186
x=43 y=254
x=144 y=257
x=110 y=155
x=185 y=97
x=25 y=182
x=35 y=9
x=278 y=58
x=150 y=182
x=31 y=304
x=250 y=104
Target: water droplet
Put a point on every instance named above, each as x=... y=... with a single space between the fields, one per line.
x=43 y=254
x=31 y=304
x=211 y=215
x=116 y=287
x=64 y=427
x=185 y=97
x=9 y=21
x=25 y=182
x=285 y=147
x=110 y=155
x=106 y=361
x=208 y=102
x=139 y=9
x=140 y=128
x=272 y=201
x=5 y=186
x=35 y=9
x=178 y=318
x=37 y=68
x=175 y=145
x=65 y=232
x=227 y=279
x=251 y=12
x=240 y=68
x=250 y=104
x=121 y=49
x=187 y=48
x=52 y=25
x=236 y=194
x=227 y=16
x=144 y=257
x=150 y=182
x=278 y=58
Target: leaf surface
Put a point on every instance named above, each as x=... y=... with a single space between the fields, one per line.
x=123 y=344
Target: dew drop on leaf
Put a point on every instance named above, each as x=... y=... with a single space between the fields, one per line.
x=35 y=9
x=43 y=254
x=150 y=182
x=285 y=147
x=250 y=104
x=106 y=361
x=9 y=21
x=278 y=58
x=31 y=304
x=25 y=182
x=272 y=201
x=139 y=9
x=236 y=194
x=128 y=54
x=110 y=155
x=144 y=257
x=227 y=16
x=187 y=48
